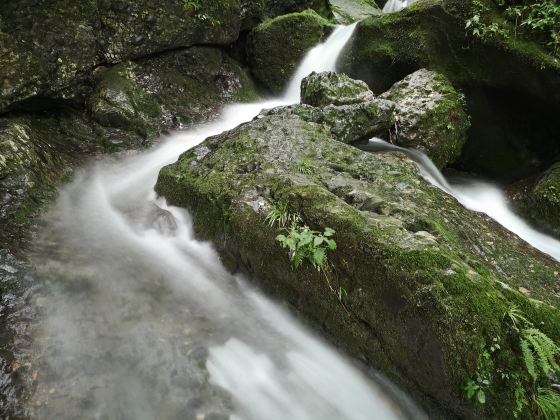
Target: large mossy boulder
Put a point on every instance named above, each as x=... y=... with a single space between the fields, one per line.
x=430 y=116
x=48 y=49
x=540 y=201
x=278 y=45
x=424 y=282
x=512 y=85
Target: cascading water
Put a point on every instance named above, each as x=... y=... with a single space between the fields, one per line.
x=479 y=196
x=393 y=6
x=141 y=321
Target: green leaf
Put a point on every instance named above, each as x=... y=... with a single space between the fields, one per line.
x=331 y=244
x=329 y=232
x=318 y=240
x=481 y=396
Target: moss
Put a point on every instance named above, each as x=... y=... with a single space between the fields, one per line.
x=277 y=45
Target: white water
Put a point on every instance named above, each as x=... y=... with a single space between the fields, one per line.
x=393 y=6
x=143 y=322
x=479 y=196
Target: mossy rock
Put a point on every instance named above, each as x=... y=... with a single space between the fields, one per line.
x=517 y=82
x=49 y=49
x=540 y=201
x=330 y=88
x=278 y=45
x=430 y=116
x=349 y=11
x=275 y=8
x=119 y=102
x=427 y=281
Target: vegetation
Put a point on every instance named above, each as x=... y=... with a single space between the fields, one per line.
x=195 y=9
x=536 y=19
x=538 y=368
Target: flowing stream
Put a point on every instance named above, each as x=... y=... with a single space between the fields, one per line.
x=141 y=321
x=479 y=196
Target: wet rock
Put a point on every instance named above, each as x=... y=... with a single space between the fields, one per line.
x=499 y=76
x=430 y=116
x=276 y=46
x=330 y=88
x=349 y=11
x=425 y=277
x=540 y=201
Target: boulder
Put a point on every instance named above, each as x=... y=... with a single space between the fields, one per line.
x=119 y=102
x=48 y=50
x=326 y=88
x=277 y=46
x=512 y=85
x=430 y=116
x=417 y=286
x=539 y=201
x=348 y=11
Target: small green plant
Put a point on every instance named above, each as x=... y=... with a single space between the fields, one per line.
x=539 y=353
x=548 y=404
x=309 y=245
x=532 y=383
x=305 y=167
x=279 y=215
x=194 y=8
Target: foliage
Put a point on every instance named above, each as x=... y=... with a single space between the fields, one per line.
x=194 y=8
x=539 y=353
x=536 y=19
x=538 y=366
x=305 y=167
x=280 y=215
x=309 y=245
x=548 y=403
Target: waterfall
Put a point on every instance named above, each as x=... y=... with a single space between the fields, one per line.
x=475 y=195
x=141 y=320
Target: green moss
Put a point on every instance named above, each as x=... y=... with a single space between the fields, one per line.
x=277 y=45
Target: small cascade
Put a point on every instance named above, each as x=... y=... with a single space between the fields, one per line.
x=479 y=196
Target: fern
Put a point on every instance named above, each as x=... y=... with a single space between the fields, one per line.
x=539 y=350
x=548 y=404
x=516 y=318
x=529 y=359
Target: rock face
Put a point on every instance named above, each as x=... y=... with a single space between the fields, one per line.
x=49 y=49
x=424 y=282
x=277 y=46
x=540 y=201
x=430 y=116
x=500 y=77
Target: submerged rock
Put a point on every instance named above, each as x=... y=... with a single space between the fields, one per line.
x=424 y=282
x=276 y=46
x=430 y=116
